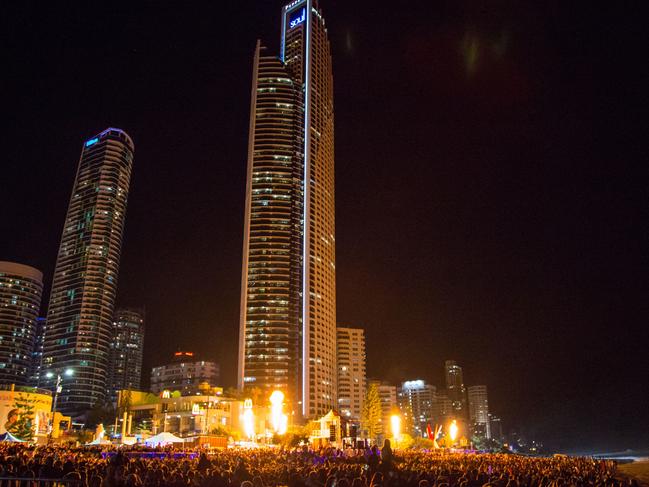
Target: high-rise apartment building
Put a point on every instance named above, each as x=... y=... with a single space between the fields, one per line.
x=495 y=427
x=82 y=300
x=37 y=351
x=351 y=371
x=479 y=408
x=419 y=398
x=288 y=287
x=443 y=408
x=21 y=289
x=455 y=388
x=126 y=351
x=185 y=373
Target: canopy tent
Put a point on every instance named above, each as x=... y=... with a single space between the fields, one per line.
x=10 y=438
x=162 y=439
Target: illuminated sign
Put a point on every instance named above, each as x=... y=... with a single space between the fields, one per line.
x=413 y=384
x=297 y=18
x=92 y=142
x=184 y=354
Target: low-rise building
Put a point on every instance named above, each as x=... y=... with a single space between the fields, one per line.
x=185 y=373
x=184 y=416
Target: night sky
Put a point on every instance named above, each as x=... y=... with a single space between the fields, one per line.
x=491 y=205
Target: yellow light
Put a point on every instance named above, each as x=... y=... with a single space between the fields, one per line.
x=452 y=430
x=277 y=397
x=395 y=423
x=277 y=418
x=248 y=420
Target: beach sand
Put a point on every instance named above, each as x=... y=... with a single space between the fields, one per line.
x=637 y=470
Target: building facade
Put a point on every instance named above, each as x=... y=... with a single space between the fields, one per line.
x=82 y=300
x=351 y=371
x=443 y=410
x=185 y=373
x=495 y=427
x=37 y=351
x=455 y=388
x=418 y=398
x=126 y=351
x=288 y=287
x=183 y=415
x=389 y=404
x=479 y=409
x=21 y=290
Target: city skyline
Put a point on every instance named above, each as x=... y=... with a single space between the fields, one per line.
x=515 y=242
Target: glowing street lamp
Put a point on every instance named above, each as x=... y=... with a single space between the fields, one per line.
x=395 y=423
x=278 y=419
x=57 y=391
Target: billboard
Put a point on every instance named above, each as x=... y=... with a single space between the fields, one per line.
x=23 y=410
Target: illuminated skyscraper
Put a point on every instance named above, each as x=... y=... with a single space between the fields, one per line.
x=80 y=316
x=455 y=388
x=479 y=408
x=21 y=289
x=126 y=347
x=288 y=288
x=351 y=371
x=37 y=351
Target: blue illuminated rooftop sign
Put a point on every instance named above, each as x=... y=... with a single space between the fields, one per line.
x=297 y=18
x=92 y=141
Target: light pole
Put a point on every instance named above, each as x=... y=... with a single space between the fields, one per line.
x=57 y=390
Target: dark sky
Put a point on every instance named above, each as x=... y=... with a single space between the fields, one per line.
x=490 y=202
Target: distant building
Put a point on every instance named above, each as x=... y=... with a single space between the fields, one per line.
x=185 y=373
x=126 y=351
x=182 y=416
x=419 y=398
x=21 y=289
x=455 y=388
x=479 y=408
x=389 y=405
x=443 y=407
x=495 y=427
x=84 y=285
x=37 y=351
x=350 y=355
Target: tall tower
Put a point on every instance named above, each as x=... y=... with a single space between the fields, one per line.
x=82 y=300
x=126 y=347
x=455 y=387
x=288 y=288
x=21 y=288
x=479 y=408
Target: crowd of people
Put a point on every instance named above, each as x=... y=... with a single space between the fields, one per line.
x=301 y=467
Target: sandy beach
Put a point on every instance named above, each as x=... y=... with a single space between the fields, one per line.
x=638 y=470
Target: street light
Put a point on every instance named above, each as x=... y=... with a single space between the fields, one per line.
x=57 y=390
